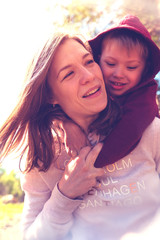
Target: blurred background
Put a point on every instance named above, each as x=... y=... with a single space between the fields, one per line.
x=24 y=24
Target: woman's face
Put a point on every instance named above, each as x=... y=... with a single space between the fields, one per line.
x=77 y=83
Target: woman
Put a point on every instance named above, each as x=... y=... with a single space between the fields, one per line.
x=64 y=85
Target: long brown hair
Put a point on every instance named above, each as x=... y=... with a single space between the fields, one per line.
x=30 y=127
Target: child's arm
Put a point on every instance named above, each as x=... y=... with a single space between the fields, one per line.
x=74 y=138
x=139 y=110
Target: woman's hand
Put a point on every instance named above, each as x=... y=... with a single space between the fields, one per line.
x=80 y=174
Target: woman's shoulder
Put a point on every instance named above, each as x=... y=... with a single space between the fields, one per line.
x=155 y=124
x=32 y=181
x=154 y=128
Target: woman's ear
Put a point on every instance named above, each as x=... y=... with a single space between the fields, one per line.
x=50 y=95
x=53 y=101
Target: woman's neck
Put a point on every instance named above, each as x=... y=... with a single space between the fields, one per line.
x=85 y=123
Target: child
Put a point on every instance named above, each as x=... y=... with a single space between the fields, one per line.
x=129 y=60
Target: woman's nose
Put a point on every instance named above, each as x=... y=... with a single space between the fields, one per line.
x=86 y=75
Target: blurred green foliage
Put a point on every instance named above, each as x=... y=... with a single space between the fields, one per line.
x=92 y=17
x=10 y=184
x=8 y=213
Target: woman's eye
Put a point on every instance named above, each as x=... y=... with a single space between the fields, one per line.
x=90 y=61
x=68 y=75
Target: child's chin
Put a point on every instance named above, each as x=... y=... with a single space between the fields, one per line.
x=117 y=93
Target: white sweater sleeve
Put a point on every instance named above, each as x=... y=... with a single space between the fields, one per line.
x=47 y=214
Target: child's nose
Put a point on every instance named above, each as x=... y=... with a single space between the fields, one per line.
x=118 y=72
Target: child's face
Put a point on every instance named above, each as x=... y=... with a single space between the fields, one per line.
x=122 y=68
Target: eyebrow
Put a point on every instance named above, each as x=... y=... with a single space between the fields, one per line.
x=69 y=65
x=130 y=61
x=134 y=61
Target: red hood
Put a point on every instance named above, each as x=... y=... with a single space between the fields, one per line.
x=132 y=23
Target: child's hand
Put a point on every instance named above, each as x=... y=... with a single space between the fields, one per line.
x=80 y=174
x=74 y=138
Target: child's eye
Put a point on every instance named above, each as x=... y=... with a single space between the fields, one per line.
x=68 y=75
x=132 y=68
x=110 y=64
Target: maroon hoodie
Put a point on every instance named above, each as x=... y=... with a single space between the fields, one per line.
x=138 y=104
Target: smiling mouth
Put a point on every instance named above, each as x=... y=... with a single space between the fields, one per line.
x=118 y=83
x=91 y=92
